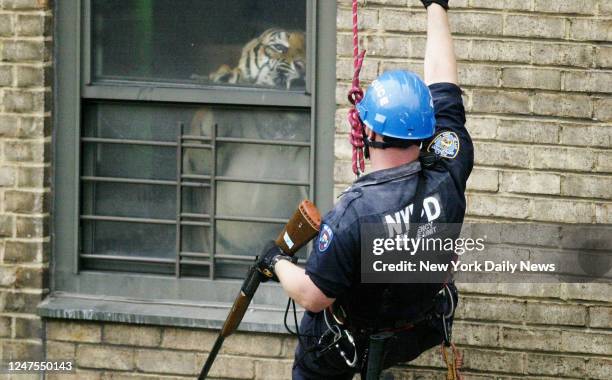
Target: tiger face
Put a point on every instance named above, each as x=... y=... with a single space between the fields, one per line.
x=274 y=59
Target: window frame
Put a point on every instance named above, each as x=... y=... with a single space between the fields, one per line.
x=73 y=84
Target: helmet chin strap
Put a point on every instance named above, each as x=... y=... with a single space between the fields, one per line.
x=388 y=143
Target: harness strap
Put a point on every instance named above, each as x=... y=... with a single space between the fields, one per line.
x=417 y=206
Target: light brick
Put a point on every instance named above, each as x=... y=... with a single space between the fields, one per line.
x=186 y=339
x=30 y=278
x=5 y=323
x=587 y=292
x=141 y=336
x=603 y=109
x=513 y=102
x=586 y=342
x=30 y=76
x=482 y=127
x=494 y=361
x=231 y=367
x=483 y=180
x=24 y=151
x=553 y=157
x=480 y=334
x=273 y=369
x=496 y=154
x=500 y=51
x=534 y=26
x=588 y=29
x=530 y=338
x=595 y=81
x=555 y=314
x=25 y=202
x=403 y=21
x=528 y=131
x=74 y=331
x=8 y=276
x=497 y=206
x=585 y=135
x=26 y=4
x=476 y=23
x=530 y=183
x=14 y=51
x=106 y=357
x=599 y=368
x=587 y=186
x=31 y=25
x=21 y=350
x=563 y=105
x=562 y=54
x=253 y=345
x=566 y=6
x=603 y=213
x=553 y=365
x=519 y=5
x=562 y=211
x=9 y=126
x=31 y=227
x=172 y=362
x=478 y=75
x=6 y=76
x=600 y=317
x=523 y=77
x=603 y=56
x=21 y=252
x=60 y=350
x=7 y=176
x=6 y=25
x=491 y=309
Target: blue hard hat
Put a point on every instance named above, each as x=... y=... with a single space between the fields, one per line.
x=398 y=104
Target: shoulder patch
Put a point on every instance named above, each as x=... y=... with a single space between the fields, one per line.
x=325 y=237
x=445 y=144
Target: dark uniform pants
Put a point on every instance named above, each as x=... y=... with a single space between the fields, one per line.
x=406 y=346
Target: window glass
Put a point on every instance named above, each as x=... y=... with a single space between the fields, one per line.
x=242 y=172
x=255 y=43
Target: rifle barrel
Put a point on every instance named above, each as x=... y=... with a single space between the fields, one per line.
x=211 y=357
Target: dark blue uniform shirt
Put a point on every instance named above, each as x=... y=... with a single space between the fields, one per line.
x=334 y=266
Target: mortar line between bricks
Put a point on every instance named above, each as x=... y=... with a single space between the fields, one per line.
x=537 y=170
x=540 y=196
x=473 y=37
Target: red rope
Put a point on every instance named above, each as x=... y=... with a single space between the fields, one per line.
x=354 y=96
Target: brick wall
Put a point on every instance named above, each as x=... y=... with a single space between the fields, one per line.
x=537 y=81
x=537 y=76
x=25 y=94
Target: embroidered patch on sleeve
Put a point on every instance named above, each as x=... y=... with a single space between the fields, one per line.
x=325 y=237
x=446 y=144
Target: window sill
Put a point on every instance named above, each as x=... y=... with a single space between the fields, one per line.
x=258 y=318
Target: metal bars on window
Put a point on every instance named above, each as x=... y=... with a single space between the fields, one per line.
x=205 y=219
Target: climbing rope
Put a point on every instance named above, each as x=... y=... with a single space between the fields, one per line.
x=453 y=365
x=354 y=96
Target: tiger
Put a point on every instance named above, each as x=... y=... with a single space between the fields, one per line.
x=276 y=58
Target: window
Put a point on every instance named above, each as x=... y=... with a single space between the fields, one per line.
x=187 y=137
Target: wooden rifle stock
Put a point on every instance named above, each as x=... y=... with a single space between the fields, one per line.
x=301 y=228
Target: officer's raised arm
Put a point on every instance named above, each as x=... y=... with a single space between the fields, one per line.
x=440 y=61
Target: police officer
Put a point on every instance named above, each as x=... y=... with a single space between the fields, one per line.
x=404 y=117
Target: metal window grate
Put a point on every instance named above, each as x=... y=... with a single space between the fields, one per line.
x=208 y=220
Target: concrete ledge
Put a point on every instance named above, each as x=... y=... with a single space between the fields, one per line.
x=258 y=318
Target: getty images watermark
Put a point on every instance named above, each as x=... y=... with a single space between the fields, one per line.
x=486 y=253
